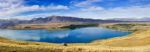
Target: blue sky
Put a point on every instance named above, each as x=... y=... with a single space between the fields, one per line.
x=96 y=9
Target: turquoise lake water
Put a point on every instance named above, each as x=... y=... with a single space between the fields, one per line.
x=80 y=35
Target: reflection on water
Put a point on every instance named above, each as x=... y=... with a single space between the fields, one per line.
x=82 y=35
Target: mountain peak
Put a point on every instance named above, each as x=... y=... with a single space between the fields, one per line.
x=62 y=19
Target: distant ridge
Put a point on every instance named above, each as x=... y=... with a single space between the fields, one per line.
x=144 y=19
x=66 y=19
x=62 y=19
x=12 y=22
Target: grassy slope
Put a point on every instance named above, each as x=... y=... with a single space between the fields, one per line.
x=127 y=27
x=139 y=38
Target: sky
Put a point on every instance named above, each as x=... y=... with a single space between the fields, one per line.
x=95 y=9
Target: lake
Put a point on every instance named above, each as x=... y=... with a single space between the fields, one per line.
x=80 y=35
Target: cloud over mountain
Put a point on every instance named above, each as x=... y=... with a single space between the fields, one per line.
x=101 y=9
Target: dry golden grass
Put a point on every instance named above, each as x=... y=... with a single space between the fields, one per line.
x=127 y=26
x=139 y=38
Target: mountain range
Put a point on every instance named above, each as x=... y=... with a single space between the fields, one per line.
x=12 y=22
x=66 y=19
x=4 y=23
x=144 y=19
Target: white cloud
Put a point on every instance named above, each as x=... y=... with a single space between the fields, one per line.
x=93 y=8
x=138 y=1
x=119 y=12
x=127 y=12
x=9 y=8
x=56 y=7
x=86 y=3
x=28 y=17
x=9 y=4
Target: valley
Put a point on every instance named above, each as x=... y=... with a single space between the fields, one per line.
x=137 y=41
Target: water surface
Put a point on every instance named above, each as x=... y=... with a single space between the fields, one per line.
x=81 y=35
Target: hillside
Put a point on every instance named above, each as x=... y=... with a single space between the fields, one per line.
x=4 y=23
x=134 y=26
x=138 y=38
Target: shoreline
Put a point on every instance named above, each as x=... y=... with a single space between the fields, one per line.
x=103 y=26
x=65 y=29
x=61 y=43
x=138 y=41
